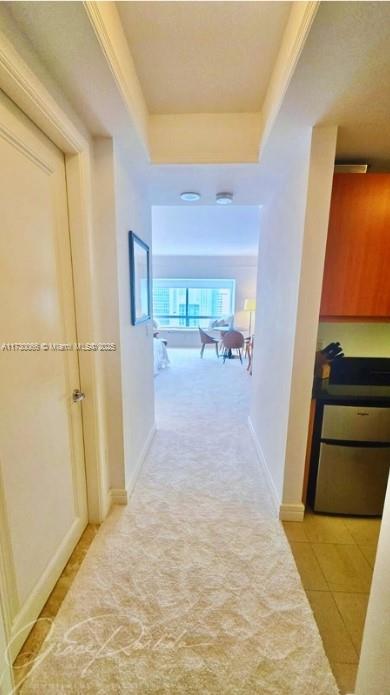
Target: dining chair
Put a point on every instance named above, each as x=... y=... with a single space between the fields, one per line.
x=206 y=339
x=232 y=340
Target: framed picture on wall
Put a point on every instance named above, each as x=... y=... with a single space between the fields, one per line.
x=140 y=298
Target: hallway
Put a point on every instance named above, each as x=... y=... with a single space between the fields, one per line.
x=192 y=588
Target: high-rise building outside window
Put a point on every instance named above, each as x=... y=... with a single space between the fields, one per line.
x=189 y=303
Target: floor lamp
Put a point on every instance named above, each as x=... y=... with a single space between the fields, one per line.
x=250 y=305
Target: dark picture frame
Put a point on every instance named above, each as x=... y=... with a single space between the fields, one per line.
x=140 y=294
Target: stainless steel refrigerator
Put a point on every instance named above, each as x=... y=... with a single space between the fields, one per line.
x=353 y=460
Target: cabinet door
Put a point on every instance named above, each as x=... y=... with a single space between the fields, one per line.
x=356 y=275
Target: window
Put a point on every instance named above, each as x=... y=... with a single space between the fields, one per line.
x=187 y=303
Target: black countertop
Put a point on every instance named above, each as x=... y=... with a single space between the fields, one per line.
x=341 y=393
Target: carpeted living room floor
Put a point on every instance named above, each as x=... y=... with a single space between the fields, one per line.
x=191 y=588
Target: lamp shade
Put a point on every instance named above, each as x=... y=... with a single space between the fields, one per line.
x=250 y=305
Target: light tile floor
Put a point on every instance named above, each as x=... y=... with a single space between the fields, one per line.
x=335 y=557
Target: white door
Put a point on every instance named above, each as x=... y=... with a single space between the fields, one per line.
x=42 y=480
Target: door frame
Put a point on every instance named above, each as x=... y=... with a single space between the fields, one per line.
x=27 y=91
x=24 y=88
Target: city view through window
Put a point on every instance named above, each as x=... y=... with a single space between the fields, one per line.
x=189 y=303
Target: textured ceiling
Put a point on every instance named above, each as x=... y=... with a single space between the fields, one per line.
x=211 y=57
x=343 y=78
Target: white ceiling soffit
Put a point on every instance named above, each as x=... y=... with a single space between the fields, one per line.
x=220 y=134
x=343 y=78
x=204 y=230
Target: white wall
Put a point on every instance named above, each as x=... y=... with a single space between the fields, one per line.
x=205 y=137
x=197 y=229
x=280 y=250
x=133 y=213
x=293 y=232
x=243 y=269
x=105 y=257
x=373 y=677
x=128 y=372
x=358 y=339
x=321 y=167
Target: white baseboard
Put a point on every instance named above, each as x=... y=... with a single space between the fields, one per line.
x=292 y=512
x=137 y=468
x=285 y=512
x=263 y=463
x=23 y=621
x=122 y=495
x=118 y=495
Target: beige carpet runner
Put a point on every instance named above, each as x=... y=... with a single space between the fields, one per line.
x=192 y=588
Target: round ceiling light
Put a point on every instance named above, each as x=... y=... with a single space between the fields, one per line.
x=190 y=196
x=224 y=198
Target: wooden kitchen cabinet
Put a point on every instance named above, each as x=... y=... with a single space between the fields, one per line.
x=357 y=265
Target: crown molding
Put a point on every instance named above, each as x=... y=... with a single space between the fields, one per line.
x=107 y=26
x=298 y=26
x=21 y=84
x=205 y=137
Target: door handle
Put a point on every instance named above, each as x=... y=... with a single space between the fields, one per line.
x=77 y=396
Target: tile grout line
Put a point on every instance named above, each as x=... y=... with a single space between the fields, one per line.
x=328 y=591
x=345 y=625
x=356 y=542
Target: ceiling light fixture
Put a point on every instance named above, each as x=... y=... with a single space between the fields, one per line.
x=190 y=196
x=224 y=198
